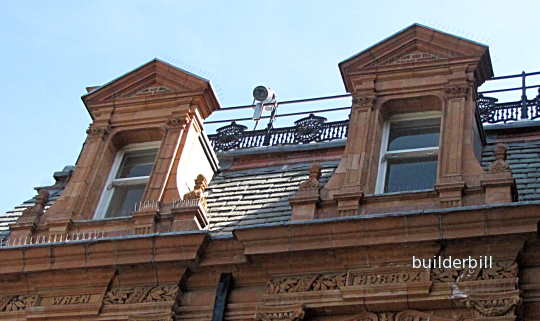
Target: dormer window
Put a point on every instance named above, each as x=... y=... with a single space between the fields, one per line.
x=127 y=180
x=409 y=152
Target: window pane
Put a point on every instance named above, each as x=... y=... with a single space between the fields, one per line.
x=410 y=174
x=124 y=199
x=137 y=163
x=414 y=134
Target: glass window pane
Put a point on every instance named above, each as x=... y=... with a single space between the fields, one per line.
x=410 y=174
x=137 y=163
x=124 y=199
x=414 y=134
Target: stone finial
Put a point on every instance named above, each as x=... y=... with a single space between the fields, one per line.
x=31 y=215
x=500 y=164
x=198 y=190
x=313 y=181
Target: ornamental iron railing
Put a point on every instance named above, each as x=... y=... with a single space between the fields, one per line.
x=306 y=130
x=314 y=128
x=492 y=112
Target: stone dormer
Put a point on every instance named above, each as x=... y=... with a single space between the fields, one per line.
x=415 y=139
x=145 y=148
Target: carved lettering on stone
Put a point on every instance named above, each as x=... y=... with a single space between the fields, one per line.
x=71 y=299
x=162 y=293
x=363 y=278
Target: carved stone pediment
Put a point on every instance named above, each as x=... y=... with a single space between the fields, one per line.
x=408 y=315
x=414 y=45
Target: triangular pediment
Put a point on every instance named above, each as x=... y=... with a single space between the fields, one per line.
x=151 y=79
x=415 y=46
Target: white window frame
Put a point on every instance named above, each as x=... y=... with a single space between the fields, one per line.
x=108 y=189
x=386 y=155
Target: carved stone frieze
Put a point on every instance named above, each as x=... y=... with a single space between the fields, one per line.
x=161 y=293
x=305 y=283
x=354 y=278
x=500 y=270
x=280 y=313
x=17 y=302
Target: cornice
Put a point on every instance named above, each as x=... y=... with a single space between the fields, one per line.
x=389 y=228
x=181 y=247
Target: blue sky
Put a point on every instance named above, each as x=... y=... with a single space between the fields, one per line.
x=52 y=50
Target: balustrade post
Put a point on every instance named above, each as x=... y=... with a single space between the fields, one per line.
x=524 y=111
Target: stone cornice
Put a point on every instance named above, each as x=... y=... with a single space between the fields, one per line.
x=183 y=247
x=378 y=229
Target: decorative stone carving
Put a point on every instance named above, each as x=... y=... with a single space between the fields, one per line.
x=154 y=90
x=162 y=293
x=355 y=278
x=408 y=315
x=280 y=313
x=411 y=57
x=308 y=129
x=98 y=131
x=198 y=191
x=312 y=183
x=304 y=283
x=457 y=92
x=363 y=101
x=31 y=215
x=499 y=165
x=499 y=270
x=494 y=304
x=17 y=302
x=175 y=123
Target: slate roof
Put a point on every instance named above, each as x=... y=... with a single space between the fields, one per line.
x=259 y=196
x=256 y=196
x=235 y=198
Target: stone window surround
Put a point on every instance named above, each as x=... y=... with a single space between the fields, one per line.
x=107 y=193
x=382 y=165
